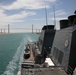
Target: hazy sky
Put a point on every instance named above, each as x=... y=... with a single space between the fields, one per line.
x=24 y=13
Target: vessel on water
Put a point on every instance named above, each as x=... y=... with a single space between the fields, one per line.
x=54 y=53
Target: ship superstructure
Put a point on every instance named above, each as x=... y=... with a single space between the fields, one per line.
x=54 y=53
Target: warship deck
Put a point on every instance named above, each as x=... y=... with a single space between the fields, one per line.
x=39 y=69
x=44 y=71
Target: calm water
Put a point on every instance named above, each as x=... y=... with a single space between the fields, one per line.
x=11 y=51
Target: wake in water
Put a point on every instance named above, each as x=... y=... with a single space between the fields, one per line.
x=14 y=65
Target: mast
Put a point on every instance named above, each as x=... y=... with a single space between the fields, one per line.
x=54 y=16
x=46 y=17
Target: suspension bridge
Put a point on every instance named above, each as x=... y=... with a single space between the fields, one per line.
x=8 y=29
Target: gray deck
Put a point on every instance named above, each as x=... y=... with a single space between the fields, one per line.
x=44 y=71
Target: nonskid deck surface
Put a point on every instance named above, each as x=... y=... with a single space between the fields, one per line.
x=44 y=71
x=39 y=69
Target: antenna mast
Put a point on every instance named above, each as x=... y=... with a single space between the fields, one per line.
x=46 y=17
x=54 y=16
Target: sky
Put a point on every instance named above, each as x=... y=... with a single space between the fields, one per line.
x=25 y=13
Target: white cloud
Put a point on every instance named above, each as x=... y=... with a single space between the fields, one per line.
x=59 y=15
x=59 y=12
x=24 y=4
x=57 y=21
x=28 y=4
x=58 y=18
x=4 y=18
x=21 y=15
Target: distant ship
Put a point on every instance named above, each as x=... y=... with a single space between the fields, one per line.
x=54 y=53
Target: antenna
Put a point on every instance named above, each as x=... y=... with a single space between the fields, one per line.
x=46 y=17
x=54 y=16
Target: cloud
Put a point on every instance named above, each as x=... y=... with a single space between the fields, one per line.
x=21 y=15
x=58 y=18
x=59 y=12
x=18 y=4
x=21 y=4
x=28 y=4
x=4 y=18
